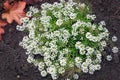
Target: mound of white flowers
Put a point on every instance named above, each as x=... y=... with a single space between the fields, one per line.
x=62 y=40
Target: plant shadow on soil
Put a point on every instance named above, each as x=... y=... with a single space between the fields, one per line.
x=13 y=64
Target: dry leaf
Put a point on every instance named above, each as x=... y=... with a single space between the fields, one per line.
x=2 y=24
x=14 y=11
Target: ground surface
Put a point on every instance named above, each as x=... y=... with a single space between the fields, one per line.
x=13 y=64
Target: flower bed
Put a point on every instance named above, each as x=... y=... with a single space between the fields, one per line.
x=64 y=37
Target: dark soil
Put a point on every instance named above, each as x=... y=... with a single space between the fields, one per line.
x=13 y=64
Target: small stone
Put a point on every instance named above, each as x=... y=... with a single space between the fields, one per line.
x=18 y=76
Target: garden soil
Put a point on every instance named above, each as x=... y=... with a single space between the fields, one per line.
x=13 y=60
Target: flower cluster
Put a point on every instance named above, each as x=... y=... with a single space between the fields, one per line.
x=64 y=38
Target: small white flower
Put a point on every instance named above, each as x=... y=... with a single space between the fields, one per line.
x=97 y=67
x=43 y=12
x=61 y=70
x=63 y=1
x=43 y=73
x=67 y=79
x=54 y=76
x=109 y=57
x=88 y=61
x=57 y=33
x=83 y=5
x=88 y=35
x=30 y=59
x=115 y=50
x=103 y=23
x=91 y=72
x=90 y=50
x=82 y=51
x=41 y=65
x=103 y=43
x=114 y=39
x=73 y=15
x=100 y=27
x=85 y=70
x=77 y=45
x=63 y=62
x=51 y=69
x=75 y=76
x=78 y=60
x=20 y=28
x=48 y=63
x=59 y=22
x=84 y=65
x=29 y=13
x=92 y=17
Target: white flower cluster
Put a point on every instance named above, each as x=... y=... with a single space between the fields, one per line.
x=64 y=37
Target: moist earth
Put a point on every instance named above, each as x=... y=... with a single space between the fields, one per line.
x=13 y=60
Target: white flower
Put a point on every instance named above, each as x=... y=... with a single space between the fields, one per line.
x=62 y=1
x=20 y=28
x=90 y=50
x=91 y=72
x=82 y=51
x=61 y=70
x=75 y=76
x=63 y=62
x=59 y=22
x=102 y=23
x=85 y=70
x=48 y=63
x=99 y=56
x=29 y=13
x=100 y=27
x=115 y=50
x=88 y=61
x=88 y=35
x=114 y=39
x=77 y=45
x=103 y=43
x=97 y=67
x=84 y=65
x=92 y=17
x=109 y=57
x=83 y=5
x=91 y=67
x=41 y=65
x=57 y=14
x=54 y=76
x=24 y=20
x=57 y=33
x=73 y=15
x=43 y=73
x=78 y=60
x=30 y=59
x=43 y=12
x=51 y=70
x=67 y=79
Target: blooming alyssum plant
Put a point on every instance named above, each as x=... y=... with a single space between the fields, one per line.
x=63 y=38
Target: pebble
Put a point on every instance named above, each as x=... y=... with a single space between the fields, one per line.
x=18 y=76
